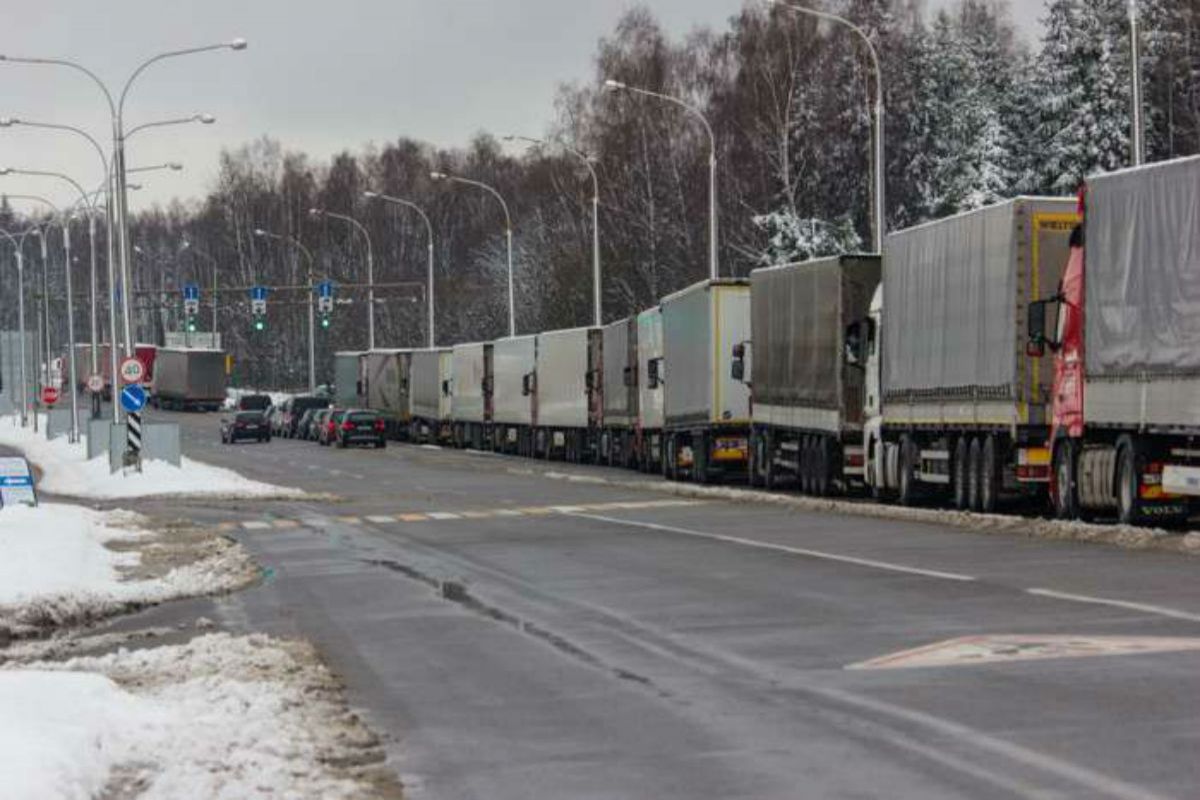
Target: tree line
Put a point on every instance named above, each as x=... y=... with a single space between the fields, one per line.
x=974 y=115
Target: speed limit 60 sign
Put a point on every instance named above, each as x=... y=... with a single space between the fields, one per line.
x=132 y=370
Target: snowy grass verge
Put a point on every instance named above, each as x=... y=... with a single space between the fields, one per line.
x=1123 y=536
x=67 y=472
x=219 y=716
x=63 y=565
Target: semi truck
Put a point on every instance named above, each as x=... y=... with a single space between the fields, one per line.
x=706 y=422
x=1125 y=347
x=431 y=396
x=189 y=379
x=618 y=438
x=514 y=396
x=348 y=381
x=569 y=397
x=388 y=383
x=471 y=381
x=649 y=372
x=807 y=398
x=956 y=403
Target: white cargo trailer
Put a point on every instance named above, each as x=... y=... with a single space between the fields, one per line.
x=431 y=393
x=620 y=384
x=514 y=399
x=471 y=384
x=650 y=371
x=706 y=410
x=569 y=393
x=189 y=379
x=348 y=379
x=388 y=384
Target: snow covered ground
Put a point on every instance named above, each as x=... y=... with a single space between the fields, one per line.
x=61 y=564
x=233 y=395
x=66 y=471
x=218 y=717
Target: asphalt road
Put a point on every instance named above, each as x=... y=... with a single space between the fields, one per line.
x=522 y=636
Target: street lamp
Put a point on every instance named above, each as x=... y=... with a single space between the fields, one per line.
x=187 y=245
x=512 y=308
x=713 y=269
x=317 y=213
x=1135 y=52
x=429 y=230
x=880 y=199
x=588 y=162
x=19 y=245
x=203 y=119
x=312 y=337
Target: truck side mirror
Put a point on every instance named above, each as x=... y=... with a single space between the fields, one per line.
x=630 y=376
x=529 y=383
x=446 y=388
x=652 y=377
x=737 y=368
x=1035 y=347
x=589 y=380
x=855 y=346
x=525 y=385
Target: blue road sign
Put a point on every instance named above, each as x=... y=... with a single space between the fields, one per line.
x=133 y=398
x=191 y=292
x=16 y=483
x=325 y=289
x=258 y=293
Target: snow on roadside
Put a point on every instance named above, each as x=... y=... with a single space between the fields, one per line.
x=62 y=564
x=232 y=396
x=65 y=471
x=219 y=716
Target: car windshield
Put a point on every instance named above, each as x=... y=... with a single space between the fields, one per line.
x=301 y=404
x=250 y=416
x=363 y=416
x=255 y=402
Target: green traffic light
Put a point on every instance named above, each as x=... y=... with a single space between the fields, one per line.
x=191 y=327
x=260 y=325
x=324 y=322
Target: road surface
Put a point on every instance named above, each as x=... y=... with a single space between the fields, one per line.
x=521 y=636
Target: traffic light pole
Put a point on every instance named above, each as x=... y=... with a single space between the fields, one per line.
x=312 y=334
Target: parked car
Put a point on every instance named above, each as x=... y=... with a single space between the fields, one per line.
x=324 y=432
x=275 y=420
x=294 y=408
x=359 y=426
x=254 y=402
x=245 y=425
x=303 y=428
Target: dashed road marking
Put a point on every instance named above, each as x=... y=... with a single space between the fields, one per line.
x=440 y=515
x=381 y=519
x=256 y=525
x=1102 y=601
x=412 y=517
x=796 y=551
x=1004 y=648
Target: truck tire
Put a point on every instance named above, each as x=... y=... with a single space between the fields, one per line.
x=962 y=474
x=989 y=477
x=668 y=456
x=822 y=466
x=1130 y=507
x=804 y=460
x=700 y=453
x=1065 y=496
x=909 y=456
x=755 y=470
x=770 y=475
x=974 y=469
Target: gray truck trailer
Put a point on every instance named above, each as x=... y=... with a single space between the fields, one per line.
x=471 y=383
x=650 y=373
x=956 y=404
x=618 y=437
x=570 y=396
x=514 y=397
x=388 y=384
x=706 y=422
x=189 y=379
x=808 y=398
x=431 y=396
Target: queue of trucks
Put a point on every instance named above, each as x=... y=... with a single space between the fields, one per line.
x=926 y=374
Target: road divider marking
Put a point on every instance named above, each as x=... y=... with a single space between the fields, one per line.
x=442 y=515
x=412 y=517
x=256 y=525
x=966 y=651
x=780 y=548
x=383 y=520
x=285 y=524
x=1128 y=606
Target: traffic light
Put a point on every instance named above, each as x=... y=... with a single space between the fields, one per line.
x=325 y=307
x=260 y=323
x=258 y=307
x=325 y=321
x=191 y=325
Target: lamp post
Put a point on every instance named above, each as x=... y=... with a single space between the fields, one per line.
x=597 y=300
x=512 y=308
x=18 y=246
x=187 y=245
x=1135 y=52
x=713 y=268
x=318 y=213
x=429 y=231
x=312 y=336
x=880 y=198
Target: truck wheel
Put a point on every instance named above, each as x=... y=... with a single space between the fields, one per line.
x=909 y=456
x=1066 y=494
x=770 y=474
x=804 y=465
x=667 y=451
x=989 y=477
x=974 y=468
x=962 y=472
x=700 y=458
x=1129 y=472
x=755 y=471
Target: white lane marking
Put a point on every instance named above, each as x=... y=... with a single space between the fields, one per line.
x=1161 y=611
x=256 y=525
x=796 y=551
x=442 y=515
x=567 y=509
x=383 y=520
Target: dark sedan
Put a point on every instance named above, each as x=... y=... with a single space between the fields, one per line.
x=245 y=425
x=360 y=427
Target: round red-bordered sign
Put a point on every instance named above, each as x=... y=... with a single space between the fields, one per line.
x=49 y=395
x=132 y=370
x=95 y=384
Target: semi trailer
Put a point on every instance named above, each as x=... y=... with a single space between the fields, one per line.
x=471 y=384
x=1125 y=345
x=618 y=437
x=649 y=372
x=569 y=397
x=514 y=396
x=348 y=380
x=189 y=379
x=807 y=396
x=706 y=422
x=388 y=384
x=431 y=396
x=956 y=404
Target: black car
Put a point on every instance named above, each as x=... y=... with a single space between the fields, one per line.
x=245 y=425
x=254 y=402
x=293 y=412
x=358 y=426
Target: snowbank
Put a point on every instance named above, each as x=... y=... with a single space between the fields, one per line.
x=221 y=716
x=66 y=471
x=232 y=396
x=58 y=564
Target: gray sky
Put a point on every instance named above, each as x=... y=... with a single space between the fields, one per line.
x=319 y=76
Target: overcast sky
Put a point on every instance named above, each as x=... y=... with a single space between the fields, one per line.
x=318 y=75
